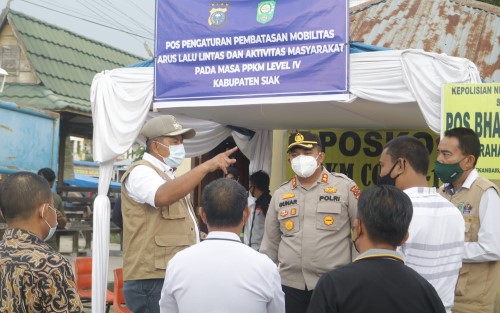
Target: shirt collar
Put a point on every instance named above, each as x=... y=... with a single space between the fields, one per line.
x=223 y=235
x=322 y=179
x=380 y=253
x=420 y=190
x=467 y=182
x=159 y=164
x=470 y=179
x=21 y=235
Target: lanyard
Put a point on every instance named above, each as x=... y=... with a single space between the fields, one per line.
x=385 y=256
x=226 y=239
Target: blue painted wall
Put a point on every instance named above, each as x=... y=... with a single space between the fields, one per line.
x=29 y=138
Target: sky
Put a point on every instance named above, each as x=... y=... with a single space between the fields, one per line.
x=124 y=24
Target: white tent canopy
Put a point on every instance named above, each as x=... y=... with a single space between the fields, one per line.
x=389 y=89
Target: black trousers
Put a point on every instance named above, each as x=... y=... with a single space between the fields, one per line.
x=296 y=300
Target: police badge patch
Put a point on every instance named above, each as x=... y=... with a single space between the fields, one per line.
x=218 y=14
x=265 y=12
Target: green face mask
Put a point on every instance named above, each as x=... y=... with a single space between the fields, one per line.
x=448 y=173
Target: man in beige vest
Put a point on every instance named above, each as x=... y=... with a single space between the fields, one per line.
x=158 y=219
x=479 y=202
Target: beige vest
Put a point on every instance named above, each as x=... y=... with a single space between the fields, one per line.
x=152 y=236
x=477 y=283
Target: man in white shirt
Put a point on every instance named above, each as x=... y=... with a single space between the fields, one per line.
x=478 y=199
x=221 y=274
x=436 y=243
x=158 y=219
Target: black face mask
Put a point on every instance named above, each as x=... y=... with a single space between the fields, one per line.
x=354 y=243
x=387 y=179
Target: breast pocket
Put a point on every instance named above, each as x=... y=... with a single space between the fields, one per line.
x=174 y=211
x=289 y=224
x=328 y=215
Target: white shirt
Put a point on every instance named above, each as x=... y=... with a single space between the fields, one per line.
x=435 y=245
x=143 y=182
x=221 y=275
x=487 y=247
x=248 y=224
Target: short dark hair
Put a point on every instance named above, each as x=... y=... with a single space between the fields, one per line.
x=21 y=193
x=148 y=145
x=411 y=149
x=386 y=213
x=48 y=174
x=468 y=141
x=260 y=179
x=224 y=201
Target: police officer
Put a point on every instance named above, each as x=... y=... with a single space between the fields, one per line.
x=309 y=221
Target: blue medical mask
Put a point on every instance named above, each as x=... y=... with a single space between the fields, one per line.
x=177 y=155
x=52 y=229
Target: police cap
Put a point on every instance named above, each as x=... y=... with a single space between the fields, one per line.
x=303 y=139
x=165 y=125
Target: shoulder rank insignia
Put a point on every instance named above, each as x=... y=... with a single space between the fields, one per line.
x=324 y=178
x=355 y=191
x=288 y=195
x=283 y=213
x=328 y=220
x=289 y=225
x=293 y=211
x=330 y=189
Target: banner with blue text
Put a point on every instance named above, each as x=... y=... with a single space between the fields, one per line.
x=209 y=50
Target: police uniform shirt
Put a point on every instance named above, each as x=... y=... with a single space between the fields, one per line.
x=308 y=231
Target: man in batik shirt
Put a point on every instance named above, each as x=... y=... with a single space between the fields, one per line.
x=33 y=277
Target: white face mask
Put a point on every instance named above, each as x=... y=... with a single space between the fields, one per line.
x=52 y=230
x=177 y=155
x=304 y=165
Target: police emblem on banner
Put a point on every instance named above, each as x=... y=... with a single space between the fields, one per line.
x=218 y=14
x=265 y=11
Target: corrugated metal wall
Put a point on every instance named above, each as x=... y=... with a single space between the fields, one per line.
x=467 y=29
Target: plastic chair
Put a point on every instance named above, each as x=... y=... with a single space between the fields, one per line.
x=118 y=299
x=83 y=276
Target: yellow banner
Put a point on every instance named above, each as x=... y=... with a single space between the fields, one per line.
x=356 y=152
x=476 y=106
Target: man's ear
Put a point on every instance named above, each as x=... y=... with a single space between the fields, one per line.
x=203 y=215
x=41 y=210
x=356 y=228
x=321 y=157
x=407 y=235
x=470 y=159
